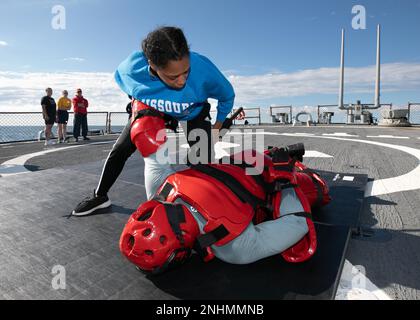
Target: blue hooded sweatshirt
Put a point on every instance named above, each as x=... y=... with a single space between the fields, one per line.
x=204 y=81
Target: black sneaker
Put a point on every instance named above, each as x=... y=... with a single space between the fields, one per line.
x=86 y=138
x=76 y=139
x=90 y=205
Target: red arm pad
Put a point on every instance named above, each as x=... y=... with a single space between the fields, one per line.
x=148 y=132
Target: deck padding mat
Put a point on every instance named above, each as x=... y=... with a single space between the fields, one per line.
x=36 y=235
x=347 y=191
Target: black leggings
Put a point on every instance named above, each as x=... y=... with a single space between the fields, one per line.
x=80 y=120
x=124 y=148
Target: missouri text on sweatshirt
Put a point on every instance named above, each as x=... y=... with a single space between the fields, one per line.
x=204 y=81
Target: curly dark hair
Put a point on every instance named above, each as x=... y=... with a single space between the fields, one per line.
x=165 y=44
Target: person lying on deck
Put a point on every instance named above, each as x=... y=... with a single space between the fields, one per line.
x=219 y=211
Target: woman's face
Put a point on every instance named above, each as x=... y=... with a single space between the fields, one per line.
x=175 y=73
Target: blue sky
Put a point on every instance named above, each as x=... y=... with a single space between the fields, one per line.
x=245 y=39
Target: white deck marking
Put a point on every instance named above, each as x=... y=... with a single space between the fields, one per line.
x=17 y=165
x=300 y=134
x=235 y=133
x=384 y=136
x=316 y=154
x=339 y=134
x=348 y=178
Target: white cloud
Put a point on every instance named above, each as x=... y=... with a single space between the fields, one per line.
x=76 y=59
x=3 y=44
x=395 y=77
x=22 y=91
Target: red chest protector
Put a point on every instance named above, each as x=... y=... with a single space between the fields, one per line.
x=225 y=197
x=229 y=200
x=281 y=172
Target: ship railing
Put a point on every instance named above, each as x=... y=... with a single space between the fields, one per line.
x=29 y=126
x=339 y=116
x=414 y=112
x=281 y=114
x=252 y=116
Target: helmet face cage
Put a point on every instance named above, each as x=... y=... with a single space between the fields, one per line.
x=180 y=247
x=177 y=258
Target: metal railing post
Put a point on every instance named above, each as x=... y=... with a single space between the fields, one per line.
x=110 y=123
x=291 y=115
x=318 y=107
x=408 y=114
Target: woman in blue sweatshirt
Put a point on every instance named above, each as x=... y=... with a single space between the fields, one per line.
x=169 y=77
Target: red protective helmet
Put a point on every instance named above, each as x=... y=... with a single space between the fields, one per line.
x=159 y=236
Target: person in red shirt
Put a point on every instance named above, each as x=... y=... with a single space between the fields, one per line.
x=80 y=106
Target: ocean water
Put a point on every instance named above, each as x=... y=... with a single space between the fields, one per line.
x=25 y=133
x=10 y=133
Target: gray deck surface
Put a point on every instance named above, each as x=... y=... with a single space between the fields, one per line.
x=36 y=235
x=391 y=257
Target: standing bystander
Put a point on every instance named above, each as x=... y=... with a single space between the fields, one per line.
x=63 y=106
x=49 y=114
x=80 y=106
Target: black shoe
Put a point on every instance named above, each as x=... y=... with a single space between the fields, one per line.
x=86 y=138
x=76 y=139
x=90 y=205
